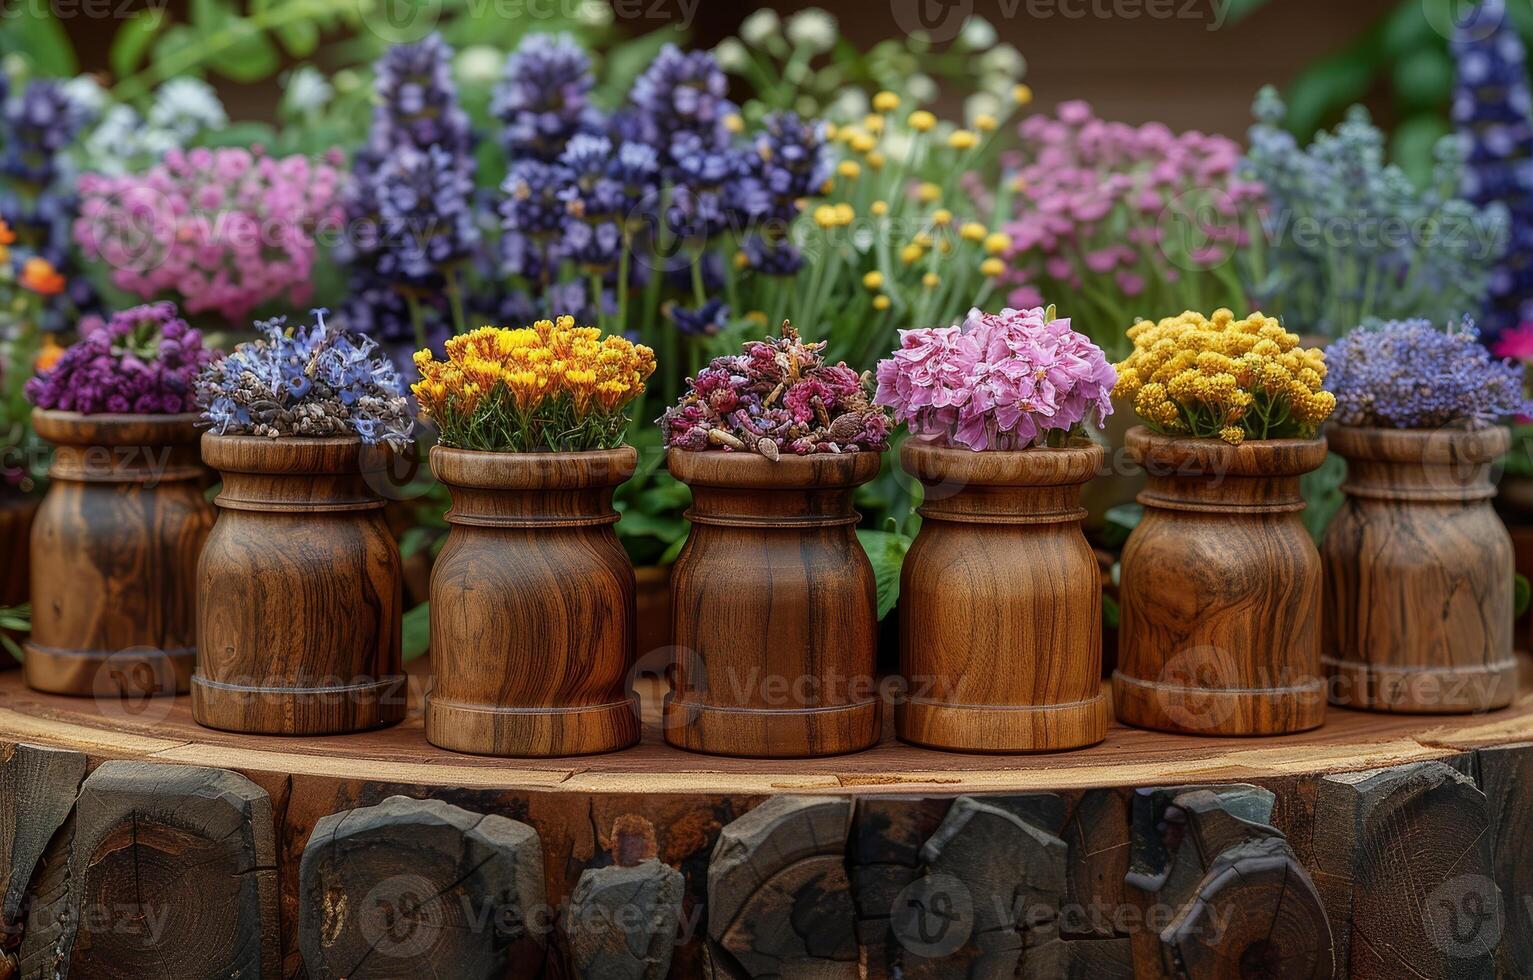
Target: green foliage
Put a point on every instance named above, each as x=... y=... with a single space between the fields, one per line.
x=1522 y=595
x=1321 y=490
x=14 y=619
x=886 y=550
x=415 y=634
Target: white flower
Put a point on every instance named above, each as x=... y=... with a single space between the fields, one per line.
x=760 y=27
x=1003 y=59
x=983 y=104
x=731 y=55
x=814 y=30
x=977 y=34
x=921 y=88
x=479 y=65
x=307 y=91
x=187 y=106
x=86 y=93
x=594 y=13
x=851 y=104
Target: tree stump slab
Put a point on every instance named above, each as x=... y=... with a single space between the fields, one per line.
x=1149 y=855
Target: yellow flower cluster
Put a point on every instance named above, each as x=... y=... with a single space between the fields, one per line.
x=552 y=385
x=1226 y=378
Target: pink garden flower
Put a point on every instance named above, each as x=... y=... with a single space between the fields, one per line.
x=1001 y=381
x=219 y=231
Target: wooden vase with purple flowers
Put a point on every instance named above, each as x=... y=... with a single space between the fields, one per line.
x=774 y=612
x=1000 y=594
x=115 y=542
x=299 y=590
x=1419 y=568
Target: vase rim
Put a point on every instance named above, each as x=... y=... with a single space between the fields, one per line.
x=716 y=467
x=240 y=453
x=114 y=429
x=1189 y=456
x=1443 y=445
x=1035 y=466
x=478 y=469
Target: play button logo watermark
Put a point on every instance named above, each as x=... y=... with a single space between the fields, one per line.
x=939 y=20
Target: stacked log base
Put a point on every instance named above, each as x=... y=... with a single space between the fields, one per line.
x=532 y=599
x=298 y=591
x=1220 y=591
x=1419 y=573
x=114 y=555
x=774 y=614
x=1001 y=603
x=1145 y=856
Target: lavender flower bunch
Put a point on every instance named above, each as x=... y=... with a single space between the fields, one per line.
x=306 y=381
x=1407 y=374
x=143 y=361
x=1493 y=111
x=1350 y=238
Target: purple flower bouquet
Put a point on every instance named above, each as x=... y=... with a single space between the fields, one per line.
x=1408 y=374
x=143 y=361
x=1001 y=381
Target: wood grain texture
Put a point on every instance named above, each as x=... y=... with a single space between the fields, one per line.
x=1001 y=603
x=779 y=902
x=1222 y=892
x=37 y=793
x=774 y=615
x=532 y=600
x=1220 y=591
x=1404 y=859
x=1419 y=573
x=623 y=921
x=412 y=888
x=161 y=854
x=1506 y=778
x=114 y=555
x=16 y=513
x=298 y=597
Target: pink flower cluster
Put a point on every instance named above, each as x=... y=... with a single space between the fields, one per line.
x=1001 y=381
x=220 y=231
x=1122 y=211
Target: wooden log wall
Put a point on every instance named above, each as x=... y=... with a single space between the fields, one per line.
x=114 y=868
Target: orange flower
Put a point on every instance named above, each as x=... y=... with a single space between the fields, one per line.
x=7 y=237
x=48 y=355
x=39 y=276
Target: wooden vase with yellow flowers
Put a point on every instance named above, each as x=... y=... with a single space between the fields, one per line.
x=1221 y=584
x=532 y=597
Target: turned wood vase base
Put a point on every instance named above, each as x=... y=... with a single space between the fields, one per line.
x=1422 y=690
x=772 y=733
x=532 y=733
x=123 y=673
x=1003 y=730
x=1207 y=711
x=299 y=711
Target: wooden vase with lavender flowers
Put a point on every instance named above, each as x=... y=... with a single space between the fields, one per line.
x=1419 y=568
x=115 y=541
x=299 y=589
x=532 y=597
x=1000 y=594
x=1220 y=588
x=114 y=555
x=773 y=601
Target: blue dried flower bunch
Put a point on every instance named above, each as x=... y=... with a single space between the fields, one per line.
x=1351 y=238
x=1409 y=374
x=309 y=380
x=1493 y=110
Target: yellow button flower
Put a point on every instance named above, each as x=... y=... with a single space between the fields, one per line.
x=921 y=121
x=962 y=139
x=881 y=302
x=972 y=231
x=873 y=280
x=886 y=101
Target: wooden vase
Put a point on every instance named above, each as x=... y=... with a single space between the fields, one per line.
x=774 y=614
x=114 y=555
x=532 y=606
x=1419 y=573
x=1220 y=590
x=16 y=514
x=298 y=592
x=1001 y=603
